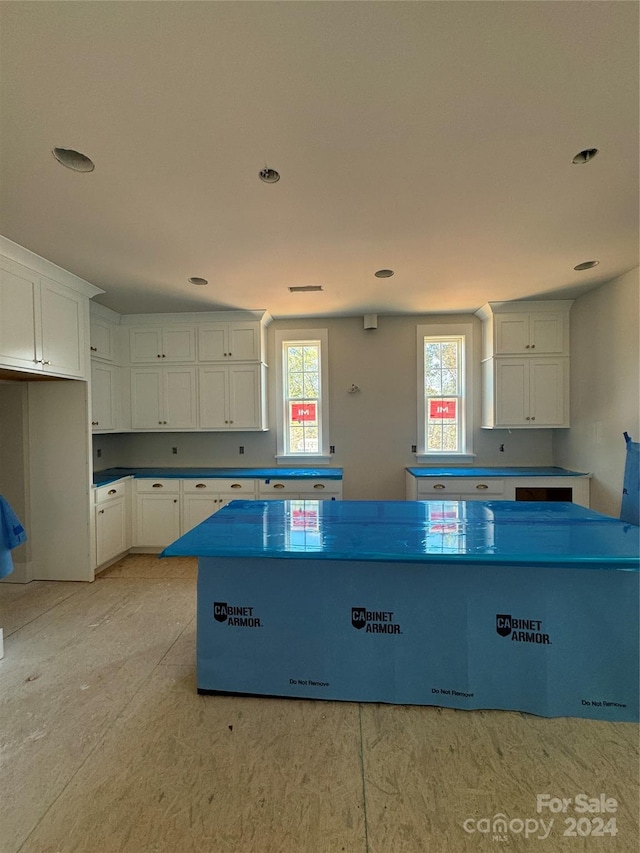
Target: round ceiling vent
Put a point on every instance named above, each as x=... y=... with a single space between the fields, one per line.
x=73 y=160
x=584 y=156
x=586 y=265
x=269 y=176
x=383 y=273
x=195 y=279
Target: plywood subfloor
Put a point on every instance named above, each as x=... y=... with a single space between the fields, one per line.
x=105 y=747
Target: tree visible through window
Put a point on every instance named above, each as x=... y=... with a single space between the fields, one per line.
x=443 y=390
x=302 y=393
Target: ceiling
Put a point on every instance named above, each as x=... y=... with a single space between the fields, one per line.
x=431 y=138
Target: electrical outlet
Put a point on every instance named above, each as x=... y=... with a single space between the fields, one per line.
x=241 y=450
x=501 y=448
x=98 y=453
x=332 y=448
x=414 y=448
x=174 y=450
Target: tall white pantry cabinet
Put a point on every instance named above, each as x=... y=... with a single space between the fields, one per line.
x=44 y=361
x=525 y=364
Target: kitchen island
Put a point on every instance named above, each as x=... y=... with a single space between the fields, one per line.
x=511 y=605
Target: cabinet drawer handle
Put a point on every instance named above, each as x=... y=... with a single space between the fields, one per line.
x=318 y=485
x=533 y=418
x=201 y=485
x=482 y=486
x=439 y=486
x=112 y=492
x=533 y=346
x=158 y=486
x=236 y=485
x=278 y=485
x=100 y=512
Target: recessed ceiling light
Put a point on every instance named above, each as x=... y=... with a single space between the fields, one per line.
x=269 y=176
x=195 y=279
x=306 y=288
x=586 y=265
x=73 y=160
x=584 y=156
x=383 y=273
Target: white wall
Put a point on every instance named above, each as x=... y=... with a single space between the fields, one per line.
x=605 y=382
x=373 y=430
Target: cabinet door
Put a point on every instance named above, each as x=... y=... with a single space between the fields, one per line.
x=157 y=520
x=146 y=399
x=104 y=396
x=102 y=338
x=63 y=315
x=145 y=345
x=549 y=392
x=197 y=508
x=18 y=290
x=111 y=526
x=244 y=342
x=179 y=343
x=512 y=333
x=213 y=342
x=547 y=333
x=179 y=398
x=512 y=392
x=213 y=393
x=244 y=396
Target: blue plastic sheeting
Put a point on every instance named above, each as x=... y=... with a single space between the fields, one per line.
x=494 y=472
x=101 y=478
x=630 y=507
x=535 y=640
x=528 y=533
x=12 y=534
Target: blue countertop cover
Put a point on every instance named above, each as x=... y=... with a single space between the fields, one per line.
x=513 y=533
x=109 y=475
x=547 y=471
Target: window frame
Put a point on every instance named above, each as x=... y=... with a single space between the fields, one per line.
x=439 y=332
x=303 y=336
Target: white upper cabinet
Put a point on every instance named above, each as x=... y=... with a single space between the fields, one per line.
x=525 y=364
x=534 y=333
x=105 y=393
x=18 y=290
x=232 y=397
x=164 y=398
x=162 y=344
x=103 y=338
x=229 y=342
x=525 y=328
x=43 y=324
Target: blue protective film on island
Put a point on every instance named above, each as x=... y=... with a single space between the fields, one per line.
x=527 y=533
x=630 y=506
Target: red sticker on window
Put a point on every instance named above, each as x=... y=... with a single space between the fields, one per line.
x=303 y=412
x=441 y=409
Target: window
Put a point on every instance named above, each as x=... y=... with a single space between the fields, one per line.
x=444 y=395
x=302 y=390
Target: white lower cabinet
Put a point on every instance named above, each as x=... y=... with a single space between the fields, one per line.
x=112 y=521
x=157 y=513
x=459 y=489
x=201 y=498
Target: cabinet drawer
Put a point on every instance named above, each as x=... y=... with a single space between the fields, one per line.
x=241 y=487
x=460 y=486
x=156 y=487
x=110 y=491
x=300 y=487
